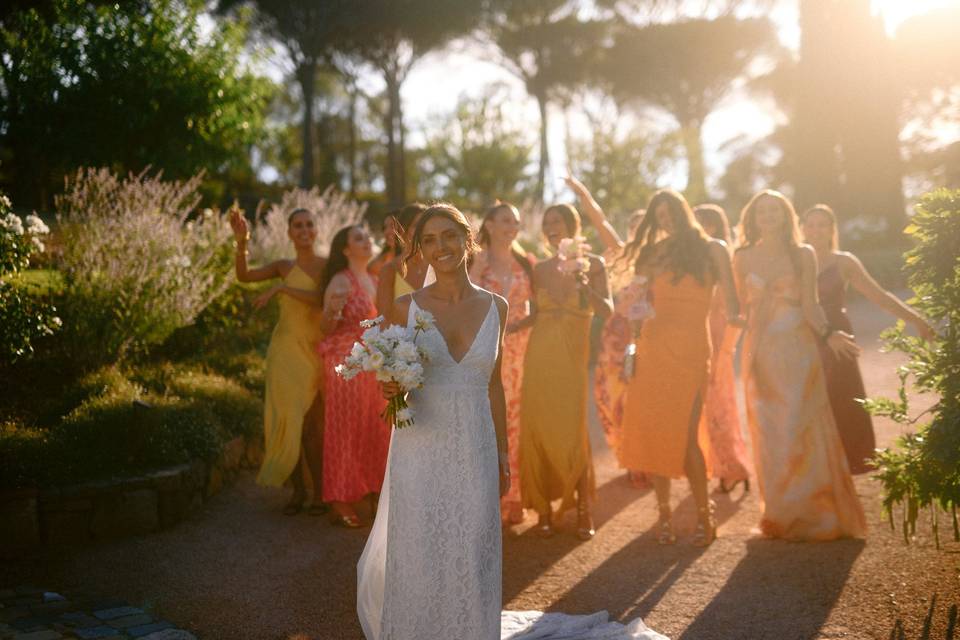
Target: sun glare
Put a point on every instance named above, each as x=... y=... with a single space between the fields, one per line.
x=895 y=12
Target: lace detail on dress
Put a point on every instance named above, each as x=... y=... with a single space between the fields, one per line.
x=442 y=577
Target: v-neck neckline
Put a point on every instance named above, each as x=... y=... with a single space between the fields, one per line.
x=473 y=342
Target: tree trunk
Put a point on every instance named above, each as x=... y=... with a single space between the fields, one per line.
x=401 y=152
x=394 y=199
x=544 y=152
x=352 y=142
x=692 y=134
x=307 y=76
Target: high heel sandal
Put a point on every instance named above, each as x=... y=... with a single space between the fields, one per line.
x=544 y=527
x=584 y=531
x=705 y=534
x=665 y=534
x=346 y=520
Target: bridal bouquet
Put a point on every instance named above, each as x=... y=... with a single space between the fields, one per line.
x=392 y=355
x=572 y=257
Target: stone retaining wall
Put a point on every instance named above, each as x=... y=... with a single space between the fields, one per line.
x=31 y=519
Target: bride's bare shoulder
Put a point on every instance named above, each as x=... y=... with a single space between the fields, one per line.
x=400 y=309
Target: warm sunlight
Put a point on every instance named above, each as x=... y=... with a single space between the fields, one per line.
x=896 y=12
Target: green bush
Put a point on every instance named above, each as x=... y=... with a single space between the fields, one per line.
x=25 y=314
x=923 y=469
x=117 y=423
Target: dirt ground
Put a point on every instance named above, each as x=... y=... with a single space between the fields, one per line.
x=240 y=570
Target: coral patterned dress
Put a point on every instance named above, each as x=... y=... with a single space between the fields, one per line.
x=805 y=483
x=511 y=372
x=355 y=439
x=727 y=449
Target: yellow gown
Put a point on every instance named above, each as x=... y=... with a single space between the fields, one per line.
x=554 y=445
x=400 y=286
x=293 y=378
x=805 y=483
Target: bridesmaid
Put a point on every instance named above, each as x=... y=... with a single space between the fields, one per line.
x=663 y=433
x=729 y=453
x=401 y=276
x=355 y=438
x=389 y=250
x=555 y=460
x=504 y=268
x=293 y=405
x=805 y=482
x=609 y=384
x=844 y=382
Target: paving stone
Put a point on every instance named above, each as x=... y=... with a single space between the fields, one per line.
x=118 y=612
x=50 y=596
x=7 y=593
x=45 y=634
x=32 y=623
x=6 y=631
x=90 y=633
x=170 y=634
x=9 y=614
x=137 y=620
x=27 y=590
x=100 y=605
x=147 y=629
x=79 y=620
x=46 y=608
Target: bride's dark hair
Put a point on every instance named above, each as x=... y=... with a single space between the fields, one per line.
x=450 y=212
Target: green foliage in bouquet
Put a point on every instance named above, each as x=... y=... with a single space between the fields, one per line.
x=922 y=471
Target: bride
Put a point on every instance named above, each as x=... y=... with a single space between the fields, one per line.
x=431 y=568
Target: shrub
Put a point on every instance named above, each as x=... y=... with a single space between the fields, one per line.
x=923 y=469
x=137 y=263
x=117 y=423
x=333 y=211
x=25 y=315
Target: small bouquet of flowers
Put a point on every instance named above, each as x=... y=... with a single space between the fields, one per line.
x=392 y=355
x=636 y=300
x=572 y=257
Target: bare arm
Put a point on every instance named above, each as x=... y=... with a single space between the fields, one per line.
x=862 y=281
x=608 y=235
x=724 y=271
x=303 y=295
x=598 y=288
x=498 y=404
x=386 y=290
x=841 y=343
x=333 y=302
x=244 y=273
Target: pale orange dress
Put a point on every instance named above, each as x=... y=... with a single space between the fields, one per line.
x=672 y=365
x=805 y=483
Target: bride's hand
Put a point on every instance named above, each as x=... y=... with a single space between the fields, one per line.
x=843 y=346
x=390 y=390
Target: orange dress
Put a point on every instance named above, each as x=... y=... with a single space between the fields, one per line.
x=672 y=364
x=805 y=483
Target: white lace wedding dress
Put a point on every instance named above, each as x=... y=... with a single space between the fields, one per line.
x=431 y=568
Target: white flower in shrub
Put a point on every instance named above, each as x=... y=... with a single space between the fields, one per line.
x=12 y=223
x=36 y=226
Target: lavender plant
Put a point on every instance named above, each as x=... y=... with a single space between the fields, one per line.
x=138 y=260
x=333 y=210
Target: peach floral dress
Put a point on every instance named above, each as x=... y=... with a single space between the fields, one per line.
x=805 y=483
x=514 y=347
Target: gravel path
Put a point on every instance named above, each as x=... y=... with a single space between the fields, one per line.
x=241 y=570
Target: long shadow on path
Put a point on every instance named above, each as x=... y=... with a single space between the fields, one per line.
x=781 y=590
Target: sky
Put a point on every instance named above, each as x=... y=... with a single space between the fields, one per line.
x=441 y=78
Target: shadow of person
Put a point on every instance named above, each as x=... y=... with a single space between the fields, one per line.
x=783 y=590
x=527 y=557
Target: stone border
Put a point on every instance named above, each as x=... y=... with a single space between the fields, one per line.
x=32 y=519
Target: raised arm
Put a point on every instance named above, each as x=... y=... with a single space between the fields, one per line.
x=590 y=208
x=241 y=234
x=334 y=300
x=840 y=342
x=854 y=271
x=498 y=404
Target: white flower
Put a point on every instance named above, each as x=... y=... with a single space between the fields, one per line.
x=423 y=320
x=37 y=244
x=36 y=226
x=405 y=415
x=12 y=223
x=375 y=361
x=5 y=202
x=407 y=351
